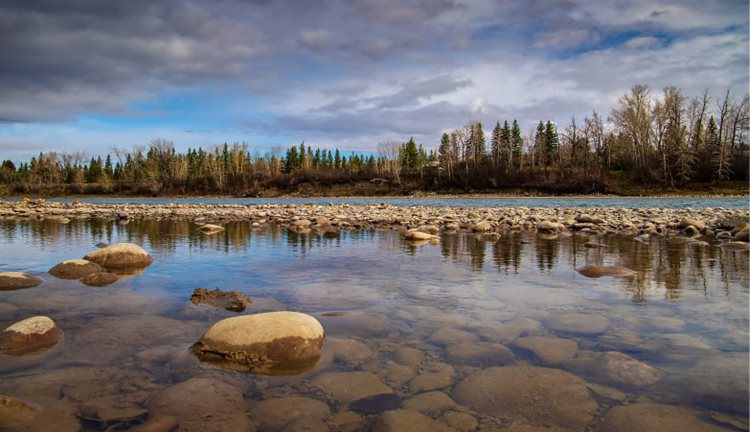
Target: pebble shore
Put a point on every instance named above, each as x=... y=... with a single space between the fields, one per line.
x=652 y=221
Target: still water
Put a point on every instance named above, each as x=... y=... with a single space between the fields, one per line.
x=423 y=322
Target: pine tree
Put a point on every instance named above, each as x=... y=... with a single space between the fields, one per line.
x=480 y=144
x=516 y=142
x=551 y=142
x=337 y=159
x=409 y=154
x=495 y=143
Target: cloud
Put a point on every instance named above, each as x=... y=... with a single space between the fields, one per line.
x=567 y=38
x=642 y=42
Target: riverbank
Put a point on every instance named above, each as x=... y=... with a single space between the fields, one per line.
x=720 y=222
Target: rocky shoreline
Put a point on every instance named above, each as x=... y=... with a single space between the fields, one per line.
x=725 y=224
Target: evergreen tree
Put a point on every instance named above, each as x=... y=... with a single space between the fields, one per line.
x=409 y=154
x=551 y=142
x=337 y=159
x=516 y=144
x=495 y=143
x=480 y=143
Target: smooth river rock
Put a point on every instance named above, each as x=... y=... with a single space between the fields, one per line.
x=596 y=270
x=574 y=322
x=277 y=413
x=14 y=412
x=560 y=399
x=549 y=351
x=273 y=343
x=210 y=229
x=408 y=420
x=99 y=279
x=120 y=255
x=30 y=336
x=202 y=405
x=233 y=301
x=10 y=281
x=651 y=417
x=346 y=387
x=622 y=370
x=74 y=269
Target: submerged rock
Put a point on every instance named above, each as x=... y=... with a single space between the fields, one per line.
x=347 y=387
x=376 y=404
x=560 y=399
x=210 y=229
x=74 y=269
x=30 y=336
x=479 y=354
x=99 y=279
x=273 y=343
x=416 y=235
x=549 y=350
x=15 y=412
x=408 y=420
x=233 y=301
x=201 y=404
x=621 y=369
x=574 y=322
x=595 y=271
x=651 y=417
x=430 y=402
x=277 y=413
x=10 y=281
x=120 y=255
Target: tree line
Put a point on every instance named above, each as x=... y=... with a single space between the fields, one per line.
x=665 y=139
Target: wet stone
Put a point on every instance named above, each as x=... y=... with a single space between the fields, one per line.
x=74 y=269
x=411 y=357
x=479 y=354
x=650 y=417
x=408 y=420
x=447 y=336
x=30 y=336
x=233 y=301
x=573 y=322
x=346 y=387
x=100 y=279
x=460 y=421
x=595 y=271
x=120 y=256
x=437 y=376
x=430 y=402
x=622 y=370
x=15 y=412
x=10 y=281
x=549 y=351
x=275 y=414
x=560 y=398
x=349 y=351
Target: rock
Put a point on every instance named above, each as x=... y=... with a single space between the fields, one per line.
x=622 y=370
x=398 y=374
x=573 y=322
x=698 y=224
x=418 y=236
x=559 y=398
x=376 y=404
x=101 y=245
x=201 y=404
x=437 y=376
x=347 y=421
x=743 y=235
x=692 y=231
x=680 y=240
x=460 y=421
x=272 y=343
x=161 y=424
x=74 y=269
x=349 y=351
x=549 y=350
x=479 y=354
x=733 y=246
x=30 y=336
x=277 y=413
x=651 y=417
x=429 y=229
x=586 y=218
x=120 y=255
x=411 y=357
x=10 y=281
x=481 y=227
x=408 y=420
x=548 y=227
x=448 y=335
x=100 y=279
x=14 y=412
x=595 y=271
x=719 y=381
x=430 y=402
x=346 y=387
x=233 y=301
x=210 y=229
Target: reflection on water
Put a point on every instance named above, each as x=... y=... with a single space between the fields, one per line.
x=413 y=318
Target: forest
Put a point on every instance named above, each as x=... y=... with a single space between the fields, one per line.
x=664 y=141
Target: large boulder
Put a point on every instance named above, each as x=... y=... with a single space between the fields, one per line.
x=120 y=256
x=10 y=281
x=560 y=399
x=273 y=343
x=74 y=269
x=30 y=336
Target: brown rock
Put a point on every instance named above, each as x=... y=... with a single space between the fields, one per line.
x=346 y=387
x=549 y=350
x=233 y=301
x=30 y=336
x=411 y=357
x=408 y=420
x=277 y=413
x=10 y=281
x=479 y=354
x=99 y=279
x=74 y=269
x=273 y=343
x=559 y=398
x=595 y=271
x=120 y=255
x=430 y=402
x=573 y=322
x=650 y=417
x=14 y=412
x=621 y=369
x=210 y=229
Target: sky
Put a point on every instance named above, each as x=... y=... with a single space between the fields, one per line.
x=93 y=75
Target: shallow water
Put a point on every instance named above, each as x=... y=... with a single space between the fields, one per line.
x=459 y=202
x=685 y=314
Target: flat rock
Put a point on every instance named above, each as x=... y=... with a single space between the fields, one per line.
x=202 y=404
x=430 y=402
x=719 y=381
x=349 y=351
x=277 y=413
x=272 y=343
x=376 y=404
x=233 y=301
x=651 y=417
x=408 y=420
x=622 y=370
x=548 y=350
x=416 y=235
x=596 y=270
x=210 y=229
x=479 y=354
x=559 y=398
x=14 y=412
x=120 y=255
x=30 y=336
x=100 y=279
x=436 y=376
x=406 y=356
x=10 y=281
x=74 y=269
x=346 y=387
x=447 y=336
x=574 y=322
x=460 y=421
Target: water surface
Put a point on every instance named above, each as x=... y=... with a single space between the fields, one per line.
x=685 y=314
